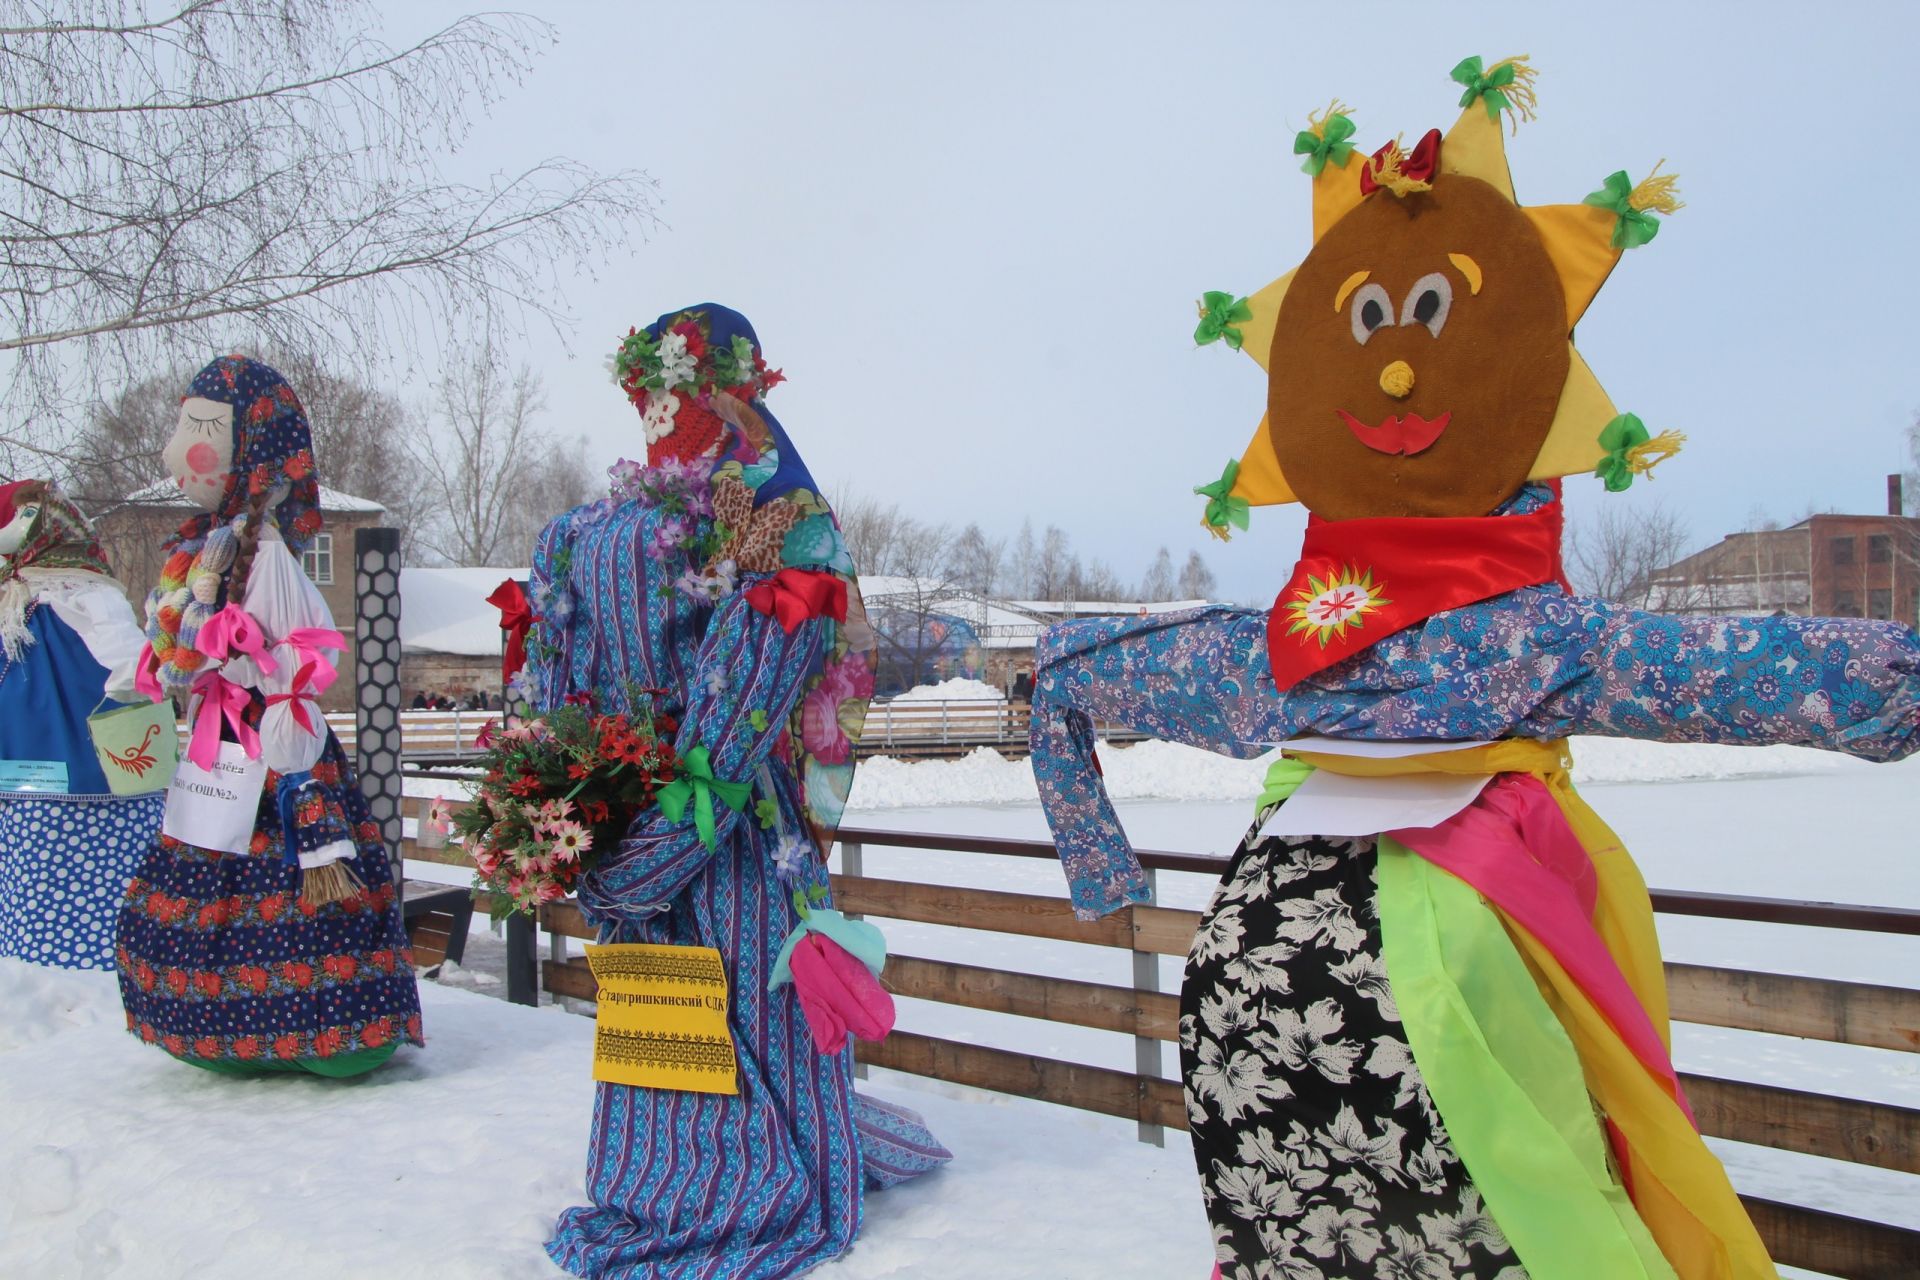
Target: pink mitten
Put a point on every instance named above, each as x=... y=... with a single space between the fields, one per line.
x=838 y=994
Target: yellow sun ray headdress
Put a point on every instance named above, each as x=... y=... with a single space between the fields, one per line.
x=1584 y=241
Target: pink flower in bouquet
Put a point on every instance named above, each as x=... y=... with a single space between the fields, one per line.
x=570 y=840
x=550 y=817
x=820 y=732
x=550 y=891
x=488 y=860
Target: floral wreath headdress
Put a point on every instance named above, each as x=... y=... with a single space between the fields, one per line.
x=661 y=373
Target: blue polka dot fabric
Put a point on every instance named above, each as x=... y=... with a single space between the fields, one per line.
x=65 y=862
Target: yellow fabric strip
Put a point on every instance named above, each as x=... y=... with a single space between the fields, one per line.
x=1678 y=1186
x=660 y=1020
x=1506 y=1078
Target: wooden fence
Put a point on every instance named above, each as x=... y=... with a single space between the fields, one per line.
x=915 y=729
x=1862 y=1133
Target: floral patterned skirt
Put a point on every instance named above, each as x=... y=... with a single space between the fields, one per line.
x=1320 y=1152
x=221 y=962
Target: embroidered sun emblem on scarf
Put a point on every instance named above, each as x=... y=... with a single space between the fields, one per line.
x=1324 y=608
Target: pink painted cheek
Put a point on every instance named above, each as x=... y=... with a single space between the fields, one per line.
x=203 y=458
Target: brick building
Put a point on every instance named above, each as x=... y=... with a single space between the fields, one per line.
x=131 y=534
x=1834 y=565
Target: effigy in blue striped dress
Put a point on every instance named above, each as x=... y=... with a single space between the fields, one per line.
x=684 y=584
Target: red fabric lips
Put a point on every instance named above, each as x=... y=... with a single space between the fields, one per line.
x=1404 y=433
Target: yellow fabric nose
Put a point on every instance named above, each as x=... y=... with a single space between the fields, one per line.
x=1397 y=380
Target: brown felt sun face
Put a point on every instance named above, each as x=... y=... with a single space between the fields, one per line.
x=1418 y=356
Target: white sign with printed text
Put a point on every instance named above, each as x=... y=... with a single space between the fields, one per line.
x=216 y=808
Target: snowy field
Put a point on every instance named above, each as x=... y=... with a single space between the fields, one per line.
x=452 y=1162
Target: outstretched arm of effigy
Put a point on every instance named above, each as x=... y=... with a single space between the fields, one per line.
x=741 y=689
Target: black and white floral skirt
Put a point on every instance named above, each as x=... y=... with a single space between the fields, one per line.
x=1320 y=1153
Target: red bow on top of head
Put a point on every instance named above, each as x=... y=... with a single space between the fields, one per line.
x=1420 y=164
x=516 y=619
x=794 y=595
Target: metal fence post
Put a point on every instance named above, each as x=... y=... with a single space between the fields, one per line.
x=1146 y=1050
x=377 y=744
x=523 y=959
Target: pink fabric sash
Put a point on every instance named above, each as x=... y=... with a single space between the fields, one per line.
x=1513 y=845
x=220 y=698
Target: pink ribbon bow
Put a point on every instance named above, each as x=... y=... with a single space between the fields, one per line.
x=309 y=641
x=314 y=678
x=231 y=631
x=838 y=994
x=220 y=697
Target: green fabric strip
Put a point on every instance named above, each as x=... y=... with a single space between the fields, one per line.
x=339 y=1067
x=1506 y=1079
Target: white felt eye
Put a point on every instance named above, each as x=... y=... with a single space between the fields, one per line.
x=1428 y=303
x=1371 y=309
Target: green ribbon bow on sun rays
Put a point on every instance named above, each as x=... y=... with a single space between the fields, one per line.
x=1488 y=86
x=1222 y=508
x=1330 y=143
x=1636 y=226
x=697 y=783
x=1619 y=438
x=1219 y=313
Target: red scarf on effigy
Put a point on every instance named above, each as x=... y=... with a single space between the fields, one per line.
x=1360 y=581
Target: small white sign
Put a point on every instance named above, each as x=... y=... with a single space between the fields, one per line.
x=216 y=808
x=1332 y=804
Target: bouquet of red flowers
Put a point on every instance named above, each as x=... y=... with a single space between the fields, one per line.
x=558 y=794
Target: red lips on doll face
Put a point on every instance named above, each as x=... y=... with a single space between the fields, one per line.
x=1404 y=434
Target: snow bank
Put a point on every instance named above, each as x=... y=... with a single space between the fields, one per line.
x=954 y=690
x=1168 y=771
x=453 y=1161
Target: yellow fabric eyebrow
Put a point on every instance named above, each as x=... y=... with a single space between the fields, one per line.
x=1468 y=268
x=1353 y=282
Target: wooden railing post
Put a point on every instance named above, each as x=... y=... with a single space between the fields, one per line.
x=1146 y=1049
x=852 y=865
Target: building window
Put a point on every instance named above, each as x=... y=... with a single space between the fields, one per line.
x=1843 y=550
x=317 y=560
x=1879 y=548
x=1844 y=605
x=1880 y=605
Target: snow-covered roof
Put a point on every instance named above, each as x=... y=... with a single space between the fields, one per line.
x=446 y=610
x=167 y=494
x=1000 y=626
x=1102 y=608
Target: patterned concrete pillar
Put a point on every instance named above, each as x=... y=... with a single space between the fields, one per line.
x=376 y=593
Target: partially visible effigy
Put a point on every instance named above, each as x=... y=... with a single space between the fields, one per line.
x=1424 y=1025
x=70 y=836
x=704 y=627
x=262 y=931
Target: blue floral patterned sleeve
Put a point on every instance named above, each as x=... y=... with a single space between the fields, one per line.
x=741 y=688
x=1535 y=663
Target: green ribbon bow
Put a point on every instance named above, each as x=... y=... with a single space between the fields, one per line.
x=1219 y=313
x=1484 y=85
x=697 y=783
x=1619 y=438
x=1222 y=508
x=1329 y=144
x=1636 y=226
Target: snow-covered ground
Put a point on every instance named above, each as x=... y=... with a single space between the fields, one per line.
x=451 y=1163
x=958 y=689
x=117 y=1162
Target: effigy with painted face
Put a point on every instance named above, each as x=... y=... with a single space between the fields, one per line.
x=1424 y=1023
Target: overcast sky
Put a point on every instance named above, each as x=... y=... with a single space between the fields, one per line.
x=973 y=234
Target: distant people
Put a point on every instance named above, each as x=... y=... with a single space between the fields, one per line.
x=1023 y=686
x=496 y=703
x=420 y=702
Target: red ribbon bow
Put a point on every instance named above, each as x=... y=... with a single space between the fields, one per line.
x=516 y=619
x=231 y=631
x=1419 y=164
x=794 y=595
x=220 y=698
